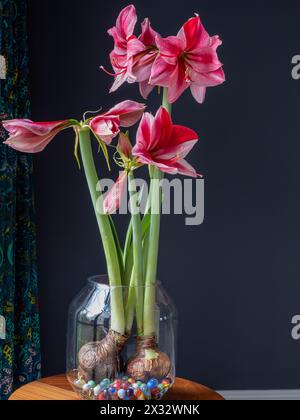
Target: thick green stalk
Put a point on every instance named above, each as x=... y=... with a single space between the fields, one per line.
x=152 y=260
x=137 y=280
x=110 y=250
x=153 y=243
x=165 y=103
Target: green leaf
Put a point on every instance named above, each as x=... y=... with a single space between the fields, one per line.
x=118 y=246
x=128 y=249
x=146 y=250
x=128 y=256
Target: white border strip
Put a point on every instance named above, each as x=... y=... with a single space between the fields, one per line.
x=279 y=395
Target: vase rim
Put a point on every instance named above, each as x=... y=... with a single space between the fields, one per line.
x=102 y=280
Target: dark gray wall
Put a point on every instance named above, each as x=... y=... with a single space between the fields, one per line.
x=235 y=279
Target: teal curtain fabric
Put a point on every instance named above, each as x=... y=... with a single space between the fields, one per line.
x=20 y=350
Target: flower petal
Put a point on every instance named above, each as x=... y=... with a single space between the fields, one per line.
x=194 y=34
x=203 y=60
x=129 y=112
x=177 y=82
x=124 y=145
x=126 y=21
x=106 y=128
x=198 y=93
x=160 y=73
x=181 y=141
x=25 y=125
x=149 y=35
x=184 y=168
x=145 y=89
x=113 y=198
x=135 y=46
x=213 y=78
x=170 y=48
x=215 y=42
x=30 y=137
x=162 y=129
x=143 y=136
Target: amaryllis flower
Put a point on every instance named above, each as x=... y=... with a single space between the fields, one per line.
x=164 y=145
x=188 y=60
x=121 y=33
x=107 y=126
x=132 y=57
x=112 y=200
x=30 y=137
x=142 y=53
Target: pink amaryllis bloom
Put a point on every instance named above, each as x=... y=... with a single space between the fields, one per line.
x=164 y=145
x=188 y=60
x=121 y=34
x=132 y=57
x=32 y=137
x=113 y=198
x=107 y=126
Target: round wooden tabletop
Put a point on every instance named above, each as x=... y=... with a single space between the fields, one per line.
x=58 y=388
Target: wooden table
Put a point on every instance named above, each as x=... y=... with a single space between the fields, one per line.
x=58 y=388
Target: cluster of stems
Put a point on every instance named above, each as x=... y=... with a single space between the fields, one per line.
x=135 y=269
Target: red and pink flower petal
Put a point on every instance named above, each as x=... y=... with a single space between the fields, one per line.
x=148 y=36
x=198 y=92
x=160 y=73
x=211 y=79
x=144 y=134
x=120 y=42
x=124 y=145
x=184 y=168
x=30 y=137
x=194 y=34
x=134 y=47
x=162 y=129
x=215 y=42
x=105 y=128
x=176 y=151
x=170 y=48
x=177 y=82
x=142 y=65
x=113 y=198
x=128 y=112
x=126 y=21
x=145 y=89
x=204 y=60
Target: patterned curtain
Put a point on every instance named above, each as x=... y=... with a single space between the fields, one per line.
x=20 y=348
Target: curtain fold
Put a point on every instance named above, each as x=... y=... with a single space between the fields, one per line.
x=20 y=350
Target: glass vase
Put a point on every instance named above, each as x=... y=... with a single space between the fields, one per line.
x=101 y=365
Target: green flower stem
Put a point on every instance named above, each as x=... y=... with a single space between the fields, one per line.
x=110 y=250
x=137 y=280
x=153 y=242
x=165 y=103
x=152 y=260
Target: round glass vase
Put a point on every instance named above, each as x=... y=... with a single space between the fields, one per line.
x=102 y=365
